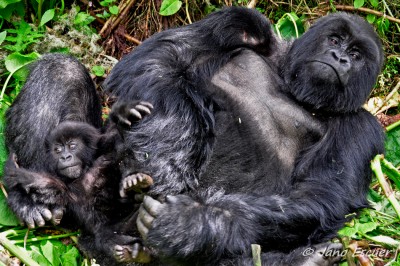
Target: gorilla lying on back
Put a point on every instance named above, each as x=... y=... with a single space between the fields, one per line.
x=251 y=144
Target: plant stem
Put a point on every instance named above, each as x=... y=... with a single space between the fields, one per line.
x=256 y=251
x=387 y=190
x=16 y=251
x=34 y=239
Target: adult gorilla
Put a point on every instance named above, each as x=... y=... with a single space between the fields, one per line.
x=260 y=145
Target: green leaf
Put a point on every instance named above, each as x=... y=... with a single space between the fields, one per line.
x=46 y=247
x=367 y=227
x=374 y=3
x=348 y=231
x=83 y=19
x=7 y=217
x=16 y=64
x=289 y=26
x=371 y=18
x=114 y=10
x=170 y=7
x=3 y=35
x=70 y=258
x=47 y=16
x=392 y=146
x=38 y=256
x=5 y=3
x=98 y=71
x=358 y=3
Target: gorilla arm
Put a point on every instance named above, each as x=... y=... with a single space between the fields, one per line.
x=34 y=197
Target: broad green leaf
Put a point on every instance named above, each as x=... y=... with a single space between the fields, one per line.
x=17 y=7
x=170 y=7
x=38 y=256
x=46 y=248
x=374 y=3
x=114 y=10
x=16 y=64
x=289 y=26
x=98 y=71
x=367 y=227
x=83 y=19
x=348 y=231
x=392 y=146
x=70 y=258
x=5 y=3
x=47 y=16
x=3 y=35
x=358 y=3
x=383 y=25
x=371 y=18
x=7 y=217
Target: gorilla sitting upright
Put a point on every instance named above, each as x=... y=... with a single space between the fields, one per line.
x=250 y=143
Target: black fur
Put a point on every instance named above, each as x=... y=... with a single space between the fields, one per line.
x=252 y=156
x=58 y=105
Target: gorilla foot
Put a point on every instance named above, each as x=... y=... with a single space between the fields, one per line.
x=134 y=253
x=325 y=254
x=135 y=182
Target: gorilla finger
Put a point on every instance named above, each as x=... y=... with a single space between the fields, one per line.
x=143 y=109
x=122 y=193
x=135 y=113
x=124 y=121
x=147 y=104
x=139 y=177
x=39 y=221
x=145 y=217
x=57 y=215
x=142 y=229
x=152 y=206
x=46 y=214
x=30 y=222
x=135 y=250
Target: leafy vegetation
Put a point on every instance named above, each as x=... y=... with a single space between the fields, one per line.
x=98 y=32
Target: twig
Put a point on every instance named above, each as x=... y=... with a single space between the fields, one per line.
x=387 y=98
x=117 y=20
x=187 y=11
x=252 y=4
x=132 y=39
x=365 y=10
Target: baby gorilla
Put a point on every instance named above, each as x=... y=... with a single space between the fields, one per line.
x=84 y=181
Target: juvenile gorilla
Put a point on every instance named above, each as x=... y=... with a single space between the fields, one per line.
x=75 y=171
x=250 y=142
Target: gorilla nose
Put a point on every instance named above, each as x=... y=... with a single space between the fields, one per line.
x=66 y=157
x=343 y=59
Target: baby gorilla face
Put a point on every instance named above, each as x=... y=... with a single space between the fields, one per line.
x=66 y=155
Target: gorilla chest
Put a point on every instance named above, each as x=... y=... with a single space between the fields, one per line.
x=259 y=132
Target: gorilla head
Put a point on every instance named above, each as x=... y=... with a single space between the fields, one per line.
x=72 y=148
x=334 y=65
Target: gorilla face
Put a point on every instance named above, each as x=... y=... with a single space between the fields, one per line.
x=334 y=65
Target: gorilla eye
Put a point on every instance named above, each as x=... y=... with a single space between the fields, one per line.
x=333 y=40
x=355 y=55
x=72 y=146
x=58 y=149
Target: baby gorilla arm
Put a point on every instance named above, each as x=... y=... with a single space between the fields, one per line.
x=34 y=197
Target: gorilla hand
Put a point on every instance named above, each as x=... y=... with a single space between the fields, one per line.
x=135 y=182
x=148 y=211
x=126 y=114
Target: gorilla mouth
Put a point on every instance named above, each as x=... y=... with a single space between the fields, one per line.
x=69 y=166
x=332 y=67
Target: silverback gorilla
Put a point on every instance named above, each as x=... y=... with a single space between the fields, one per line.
x=251 y=141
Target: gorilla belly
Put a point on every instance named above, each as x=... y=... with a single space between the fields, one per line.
x=259 y=131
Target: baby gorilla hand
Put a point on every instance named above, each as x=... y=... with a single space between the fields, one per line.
x=135 y=182
x=126 y=114
x=132 y=253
